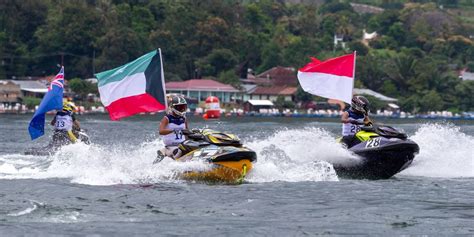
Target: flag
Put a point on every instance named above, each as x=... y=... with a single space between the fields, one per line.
x=52 y=100
x=332 y=79
x=133 y=88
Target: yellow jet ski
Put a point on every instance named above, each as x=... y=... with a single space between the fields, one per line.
x=230 y=160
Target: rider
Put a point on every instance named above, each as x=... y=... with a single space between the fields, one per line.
x=65 y=122
x=173 y=124
x=354 y=118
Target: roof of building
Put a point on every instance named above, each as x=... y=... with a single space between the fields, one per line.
x=377 y=95
x=280 y=76
x=261 y=102
x=31 y=86
x=466 y=76
x=200 y=85
x=364 y=8
x=8 y=87
x=274 y=90
x=248 y=88
x=256 y=81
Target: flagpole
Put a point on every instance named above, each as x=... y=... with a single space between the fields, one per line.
x=354 y=72
x=163 y=79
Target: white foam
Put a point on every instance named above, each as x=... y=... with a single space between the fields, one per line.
x=444 y=152
x=290 y=155
x=28 y=210
x=296 y=155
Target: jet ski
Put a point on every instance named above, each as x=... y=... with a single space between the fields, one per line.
x=59 y=139
x=383 y=152
x=230 y=160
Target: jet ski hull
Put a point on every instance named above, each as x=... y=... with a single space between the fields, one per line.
x=221 y=172
x=229 y=164
x=381 y=162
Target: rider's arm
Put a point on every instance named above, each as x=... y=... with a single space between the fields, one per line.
x=53 y=121
x=164 y=122
x=76 y=125
x=367 y=120
x=346 y=119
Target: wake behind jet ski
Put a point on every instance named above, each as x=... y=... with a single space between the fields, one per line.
x=58 y=140
x=383 y=152
x=230 y=160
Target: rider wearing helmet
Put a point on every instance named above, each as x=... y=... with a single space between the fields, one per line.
x=65 y=122
x=173 y=124
x=354 y=118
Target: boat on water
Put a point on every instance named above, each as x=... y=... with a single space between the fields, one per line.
x=383 y=152
x=230 y=161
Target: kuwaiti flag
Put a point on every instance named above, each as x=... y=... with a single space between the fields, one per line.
x=332 y=79
x=133 y=88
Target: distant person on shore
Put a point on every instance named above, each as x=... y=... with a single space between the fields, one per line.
x=354 y=118
x=65 y=123
x=172 y=126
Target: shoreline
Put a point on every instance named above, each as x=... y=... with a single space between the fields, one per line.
x=288 y=116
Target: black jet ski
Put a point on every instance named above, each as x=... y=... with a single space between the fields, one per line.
x=230 y=160
x=59 y=139
x=383 y=152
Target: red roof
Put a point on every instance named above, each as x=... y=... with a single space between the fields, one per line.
x=280 y=76
x=199 y=85
x=275 y=90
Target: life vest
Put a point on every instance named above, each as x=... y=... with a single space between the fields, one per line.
x=64 y=121
x=175 y=124
x=349 y=129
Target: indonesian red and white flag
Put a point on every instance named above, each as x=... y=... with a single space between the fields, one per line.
x=332 y=79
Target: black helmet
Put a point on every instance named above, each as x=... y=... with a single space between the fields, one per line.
x=360 y=104
x=177 y=105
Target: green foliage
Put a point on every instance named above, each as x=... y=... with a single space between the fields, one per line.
x=31 y=102
x=229 y=77
x=302 y=96
x=375 y=104
x=470 y=66
x=282 y=103
x=432 y=101
x=81 y=87
x=217 y=61
x=414 y=58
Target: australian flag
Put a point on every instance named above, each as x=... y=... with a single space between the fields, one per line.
x=52 y=100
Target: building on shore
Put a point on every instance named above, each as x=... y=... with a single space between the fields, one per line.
x=31 y=88
x=271 y=84
x=203 y=88
x=9 y=92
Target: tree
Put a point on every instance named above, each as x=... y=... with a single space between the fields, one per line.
x=229 y=77
x=431 y=101
x=464 y=91
x=303 y=96
x=82 y=88
x=217 y=61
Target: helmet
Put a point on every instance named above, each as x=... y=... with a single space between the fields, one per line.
x=177 y=105
x=360 y=104
x=69 y=107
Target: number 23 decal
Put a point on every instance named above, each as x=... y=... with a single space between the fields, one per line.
x=373 y=143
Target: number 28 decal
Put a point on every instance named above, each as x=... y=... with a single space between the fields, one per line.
x=373 y=143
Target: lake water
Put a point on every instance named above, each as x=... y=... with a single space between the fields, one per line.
x=112 y=187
